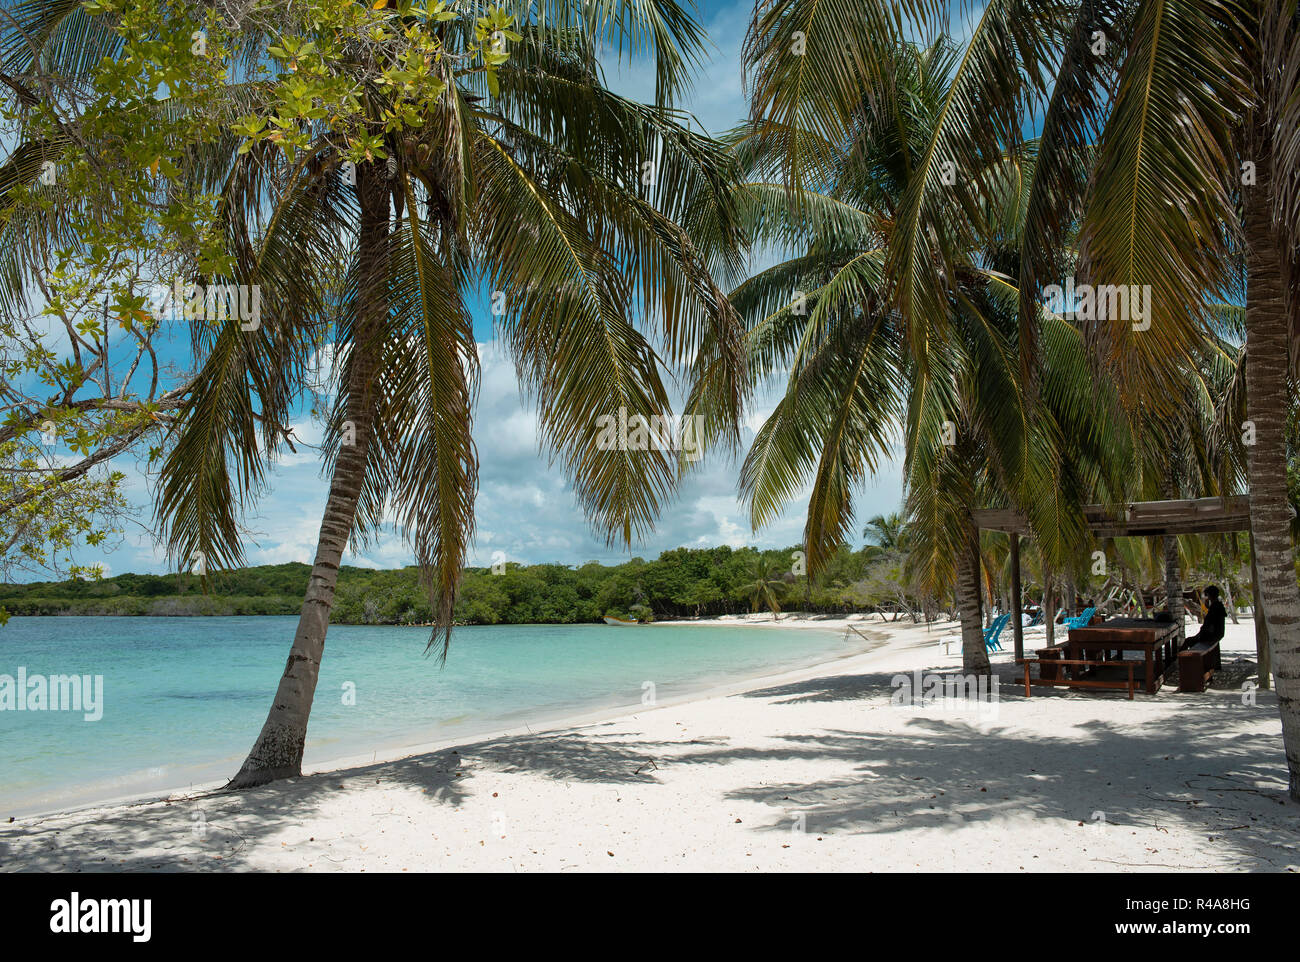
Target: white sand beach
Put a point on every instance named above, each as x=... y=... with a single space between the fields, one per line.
x=813 y=770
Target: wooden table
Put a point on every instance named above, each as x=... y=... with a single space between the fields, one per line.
x=1157 y=641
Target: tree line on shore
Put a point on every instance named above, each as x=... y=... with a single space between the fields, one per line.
x=680 y=583
x=684 y=582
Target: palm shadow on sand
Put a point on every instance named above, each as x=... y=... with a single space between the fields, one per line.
x=943 y=771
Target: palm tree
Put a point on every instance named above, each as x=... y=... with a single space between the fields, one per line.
x=766 y=587
x=869 y=359
x=1170 y=140
x=595 y=223
x=1195 y=172
x=887 y=532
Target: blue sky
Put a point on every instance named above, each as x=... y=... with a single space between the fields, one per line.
x=525 y=507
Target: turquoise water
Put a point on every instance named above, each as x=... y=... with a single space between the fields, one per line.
x=185 y=697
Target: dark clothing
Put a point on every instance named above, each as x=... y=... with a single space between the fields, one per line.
x=1213 y=626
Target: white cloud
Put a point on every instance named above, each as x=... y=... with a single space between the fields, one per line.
x=716 y=97
x=525 y=507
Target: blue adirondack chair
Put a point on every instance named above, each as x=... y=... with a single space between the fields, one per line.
x=992 y=632
x=1080 y=621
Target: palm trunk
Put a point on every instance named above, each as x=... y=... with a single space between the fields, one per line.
x=278 y=751
x=974 y=657
x=1266 y=405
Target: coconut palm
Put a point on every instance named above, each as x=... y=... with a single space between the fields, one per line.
x=1197 y=135
x=591 y=222
x=886 y=532
x=865 y=367
x=765 y=588
x=1169 y=141
x=1170 y=134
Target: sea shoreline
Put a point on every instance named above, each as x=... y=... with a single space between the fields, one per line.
x=760 y=619
x=396 y=750
x=816 y=768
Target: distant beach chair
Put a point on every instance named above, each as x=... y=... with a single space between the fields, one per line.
x=1081 y=621
x=992 y=632
x=990 y=636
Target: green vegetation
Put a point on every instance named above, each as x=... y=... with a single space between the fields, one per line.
x=684 y=582
x=681 y=583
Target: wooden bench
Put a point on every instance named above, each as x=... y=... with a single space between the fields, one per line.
x=1047 y=658
x=1050 y=677
x=1197 y=664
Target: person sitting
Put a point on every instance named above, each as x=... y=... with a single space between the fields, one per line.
x=1216 y=619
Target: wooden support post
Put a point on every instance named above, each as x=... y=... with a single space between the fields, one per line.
x=1049 y=606
x=1017 y=605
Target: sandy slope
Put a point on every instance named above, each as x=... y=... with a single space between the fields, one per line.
x=813 y=770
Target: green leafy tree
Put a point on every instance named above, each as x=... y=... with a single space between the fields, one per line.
x=765 y=588
x=91 y=219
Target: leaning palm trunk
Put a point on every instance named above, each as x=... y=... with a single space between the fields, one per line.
x=278 y=751
x=974 y=656
x=1266 y=405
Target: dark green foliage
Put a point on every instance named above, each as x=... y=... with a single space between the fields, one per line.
x=684 y=582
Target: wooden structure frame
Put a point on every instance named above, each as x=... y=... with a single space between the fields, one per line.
x=1141 y=519
x=1054 y=680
